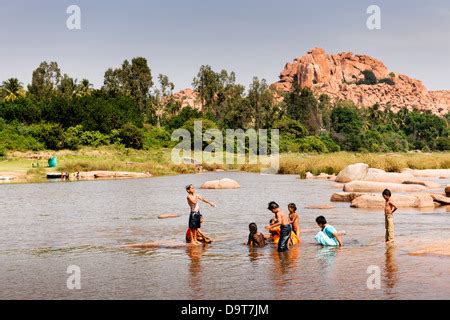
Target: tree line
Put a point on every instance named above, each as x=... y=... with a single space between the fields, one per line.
x=56 y=111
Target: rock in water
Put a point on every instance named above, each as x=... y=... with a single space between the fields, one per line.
x=443 y=200
x=168 y=216
x=353 y=172
x=346 y=196
x=221 y=184
x=321 y=206
x=368 y=186
x=400 y=200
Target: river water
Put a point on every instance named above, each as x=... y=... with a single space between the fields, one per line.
x=45 y=228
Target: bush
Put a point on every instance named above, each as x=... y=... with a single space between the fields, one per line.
x=2 y=151
x=312 y=144
x=443 y=143
x=72 y=137
x=16 y=137
x=369 y=78
x=52 y=135
x=94 y=139
x=131 y=136
x=331 y=145
x=155 y=138
x=179 y=120
x=291 y=128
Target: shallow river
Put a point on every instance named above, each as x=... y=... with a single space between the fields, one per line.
x=47 y=227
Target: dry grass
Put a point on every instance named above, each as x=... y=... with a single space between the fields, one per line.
x=335 y=162
x=158 y=162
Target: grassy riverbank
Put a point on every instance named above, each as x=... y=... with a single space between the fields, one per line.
x=158 y=162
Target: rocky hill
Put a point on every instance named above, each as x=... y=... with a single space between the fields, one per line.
x=342 y=75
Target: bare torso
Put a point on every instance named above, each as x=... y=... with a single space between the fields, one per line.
x=192 y=200
x=282 y=218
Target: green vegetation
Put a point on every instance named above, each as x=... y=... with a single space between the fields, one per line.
x=57 y=112
x=371 y=79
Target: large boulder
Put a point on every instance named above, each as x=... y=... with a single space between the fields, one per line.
x=221 y=184
x=429 y=173
x=345 y=196
x=378 y=175
x=400 y=200
x=443 y=200
x=427 y=184
x=353 y=172
x=369 y=186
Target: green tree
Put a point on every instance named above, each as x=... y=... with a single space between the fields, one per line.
x=11 y=90
x=262 y=105
x=347 y=125
x=131 y=80
x=302 y=105
x=45 y=80
x=208 y=84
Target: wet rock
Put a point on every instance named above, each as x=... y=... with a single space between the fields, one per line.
x=345 y=196
x=168 y=216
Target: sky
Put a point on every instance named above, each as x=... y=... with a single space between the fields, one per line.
x=250 y=37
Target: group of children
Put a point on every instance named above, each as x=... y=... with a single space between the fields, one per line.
x=284 y=229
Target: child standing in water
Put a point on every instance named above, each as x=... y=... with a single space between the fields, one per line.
x=293 y=216
x=328 y=236
x=389 y=210
x=281 y=220
x=255 y=238
x=195 y=218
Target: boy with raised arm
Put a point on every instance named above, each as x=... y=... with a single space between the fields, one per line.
x=195 y=217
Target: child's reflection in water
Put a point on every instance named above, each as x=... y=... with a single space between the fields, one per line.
x=390 y=267
x=195 y=254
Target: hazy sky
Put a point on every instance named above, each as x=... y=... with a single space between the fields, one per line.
x=250 y=37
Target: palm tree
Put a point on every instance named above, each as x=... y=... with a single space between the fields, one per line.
x=12 y=89
x=85 y=88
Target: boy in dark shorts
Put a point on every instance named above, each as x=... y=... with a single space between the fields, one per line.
x=195 y=217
